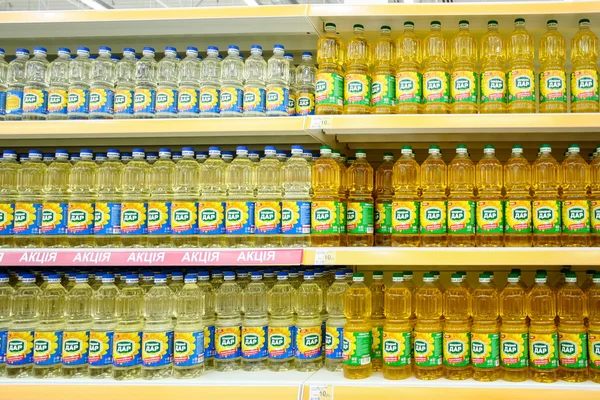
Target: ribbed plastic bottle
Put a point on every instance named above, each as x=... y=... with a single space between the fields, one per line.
x=575 y=200
x=80 y=70
x=409 y=77
x=162 y=218
x=432 y=213
x=461 y=200
x=514 y=337
x=104 y=314
x=144 y=97
x=282 y=326
x=107 y=217
x=6 y=301
x=329 y=87
x=186 y=194
x=211 y=208
x=553 y=75
x=254 y=325
x=490 y=202
x=35 y=93
x=58 y=84
x=595 y=199
x=278 y=86
x=295 y=207
x=547 y=179
x=136 y=179
x=8 y=191
x=210 y=84
x=267 y=212
x=464 y=78
x=384 y=192
x=485 y=334
x=517 y=205
x=167 y=79
x=492 y=86
x=308 y=347
x=343 y=196
x=521 y=74
x=306 y=75
x=208 y=318
x=457 y=329
x=358 y=339
x=3 y=84
x=55 y=207
x=436 y=79
x=228 y=305
x=593 y=306
x=325 y=207
x=397 y=331
x=428 y=348
x=584 y=71
x=83 y=192
x=75 y=352
x=188 y=101
x=293 y=93
x=102 y=88
x=334 y=331
x=357 y=88
x=359 y=221
x=127 y=339
x=383 y=88
x=255 y=75
x=232 y=84
x=239 y=213
x=405 y=203
x=188 y=343
x=28 y=205
x=16 y=85
x=125 y=84
x=377 y=289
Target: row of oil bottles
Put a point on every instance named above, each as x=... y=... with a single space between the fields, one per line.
x=410 y=76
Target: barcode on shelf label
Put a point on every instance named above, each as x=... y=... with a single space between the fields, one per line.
x=321 y=393
x=324 y=122
x=325 y=257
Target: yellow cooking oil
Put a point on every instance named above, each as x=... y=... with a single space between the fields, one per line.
x=76 y=336
x=343 y=196
x=309 y=325
x=490 y=203
x=436 y=79
x=83 y=191
x=357 y=87
x=134 y=208
x=546 y=181
x=334 y=329
x=463 y=78
x=211 y=208
x=409 y=77
x=457 y=330
x=325 y=207
x=595 y=199
x=428 y=332
x=186 y=194
x=267 y=210
x=492 y=98
x=383 y=89
x=575 y=200
x=485 y=336
x=543 y=338
x=553 y=75
x=161 y=215
x=461 y=200
x=377 y=289
x=384 y=192
x=359 y=220
x=56 y=193
x=397 y=331
x=239 y=214
x=107 y=227
x=517 y=204
x=593 y=307
x=514 y=337
x=282 y=327
x=584 y=71
x=406 y=179
x=571 y=305
x=127 y=340
x=520 y=74
x=8 y=190
x=104 y=314
x=357 y=331
x=433 y=222
x=329 y=87
x=29 y=201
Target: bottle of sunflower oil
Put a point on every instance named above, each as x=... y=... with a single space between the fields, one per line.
x=432 y=215
x=228 y=305
x=254 y=325
x=490 y=204
x=584 y=72
x=35 y=93
x=188 y=344
x=357 y=89
x=410 y=283
x=377 y=289
x=107 y=217
x=325 y=207
x=186 y=193
x=167 y=79
x=136 y=179
x=493 y=72
x=295 y=208
x=329 y=87
x=575 y=200
x=384 y=190
x=409 y=89
x=147 y=280
x=397 y=331
x=282 y=327
x=589 y=281
x=520 y=75
x=104 y=314
x=593 y=307
x=457 y=330
x=208 y=318
x=127 y=339
x=211 y=208
x=406 y=176
x=210 y=84
x=334 y=334
x=309 y=331
x=464 y=79
x=461 y=201
x=161 y=216
x=83 y=190
x=572 y=334
x=514 y=338
x=6 y=299
x=102 y=85
x=8 y=190
x=243 y=278
x=76 y=337
x=54 y=209
x=428 y=334
x=553 y=75
x=28 y=204
x=322 y=280
x=144 y=97
x=359 y=220
x=383 y=90
x=278 y=85
x=595 y=199
x=255 y=75
x=546 y=209
x=543 y=338
x=267 y=212
x=436 y=79
x=343 y=194
x=48 y=338
x=306 y=73
x=517 y=205
x=358 y=340
x=485 y=334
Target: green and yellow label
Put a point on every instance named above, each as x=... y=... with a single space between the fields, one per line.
x=517 y=216
x=383 y=91
x=543 y=350
x=433 y=218
x=546 y=216
x=359 y=218
x=521 y=85
x=594 y=346
x=435 y=87
x=397 y=349
x=357 y=90
x=576 y=216
x=377 y=344
x=408 y=87
x=584 y=85
x=329 y=89
x=463 y=87
x=383 y=218
x=514 y=350
x=457 y=349
x=490 y=216
x=485 y=350
x=493 y=87
x=357 y=348
x=461 y=217
x=428 y=349
x=573 y=351
x=405 y=217
x=553 y=86
x=324 y=217
x=595 y=216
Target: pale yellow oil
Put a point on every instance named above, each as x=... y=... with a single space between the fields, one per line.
x=330 y=58
x=309 y=306
x=161 y=194
x=186 y=190
x=326 y=184
x=343 y=197
x=457 y=330
x=463 y=79
x=595 y=199
x=357 y=88
x=584 y=71
x=56 y=187
x=378 y=289
x=212 y=197
x=553 y=75
x=384 y=52
x=433 y=204
x=51 y=304
x=493 y=85
x=517 y=214
x=104 y=314
x=406 y=179
x=514 y=347
x=78 y=313
x=268 y=190
x=546 y=181
x=593 y=306
x=136 y=177
x=30 y=186
x=359 y=220
x=428 y=330
x=575 y=200
x=409 y=91
x=337 y=319
x=436 y=80
x=83 y=192
x=357 y=308
x=520 y=74
x=541 y=304
x=384 y=192
x=397 y=330
x=130 y=309
x=486 y=330
x=461 y=200
x=280 y=302
x=490 y=209
x=8 y=189
x=110 y=190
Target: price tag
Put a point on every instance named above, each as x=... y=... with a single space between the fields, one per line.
x=321 y=122
x=325 y=257
x=321 y=393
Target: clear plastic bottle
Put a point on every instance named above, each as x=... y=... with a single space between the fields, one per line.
x=520 y=74
x=464 y=79
x=232 y=84
x=461 y=200
x=28 y=205
x=306 y=73
x=167 y=79
x=409 y=88
x=58 y=84
x=9 y=168
x=433 y=222
x=107 y=227
x=80 y=70
x=436 y=79
x=208 y=318
x=308 y=340
x=188 y=345
x=357 y=88
x=210 y=84
x=3 y=84
x=428 y=330
x=490 y=202
x=136 y=179
x=406 y=175
x=334 y=331
x=293 y=93
x=127 y=340
x=584 y=71
x=144 y=97
x=547 y=179
x=485 y=334
x=593 y=307
x=329 y=86
x=254 y=325
x=104 y=314
x=397 y=331
x=325 y=207
x=295 y=208
x=16 y=85
x=188 y=101
x=161 y=215
x=360 y=202
x=267 y=212
x=457 y=329
x=125 y=71
x=514 y=338
x=255 y=74
x=228 y=305
x=55 y=207
x=517 y=205
x=575 y=200
x=76 y=336
x=6 y=301
x=278 y=85
x=553 y=75
x=35 y=93
x=102 y=88
x=211 y=209
x=358 y=329
x=282 y=327
x=241 y=181
x=492 y=97
x=384 y=192
x=383 y=88
x=377 y=289
x=83 y=192
x=343 y=198
x=184 y=209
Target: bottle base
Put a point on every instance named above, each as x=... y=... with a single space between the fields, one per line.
x=188 y=373
x=125 y=374
x=75 y=372
x=518 y=240
x=429 y=374
x=228 y=365
x=383 y=240
x=254 y=365
x=545 y=376
x=573 y=375
x=406 y=241
x=361 y=372
x=281 y=365
x=489 y=241
x=461 y=240
x=360 y=240
x=100 y=372
x=515 y=375
x=397 y=373
x=157 y=373
x=486 y=375
x=47 y=372
x=19 y=372
x=334 y=365
x=458 y=373
x=309 y=365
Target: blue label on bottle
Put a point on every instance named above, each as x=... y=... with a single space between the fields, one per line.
x=3 y=343
x=267 y=217
x=144 y=101
x=282 y=340
x=80 y=219
x=19 y=349
x=157 y=349
x=57 y=101
x=277 y=100
x=123 y=102
x=184 y=218
x=107 y=218
x=78 y=101
x=232 y=100
x=133 y=218
x=188 y=349
x=7 y=218
x=239 y=217
x=254 y=342
x=127 y=349
x=334 y=342
x=54 y=218
x=255 y=100
x=159 y=218
x=101 y=348
x=166 y=101
x=35 y=101
x=102 y=101
x=2 y=102
x=75 y=347
x=189 y=102
x=227 y=343
x=47 y=348
x=28 y=218
x=309 y=344
x=209 y=341
x=210 y=101
x=211 y=218
x=14 y=102
x=295 y=217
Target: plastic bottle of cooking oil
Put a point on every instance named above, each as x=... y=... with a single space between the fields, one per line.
x=293 y=93
x=517 y=206
x=410 y=283
x=28 y=205
x=228 y=304
x=104 y=314
x=6 y=301
x=457 y=330
x=359 y=221
x=321 y=278
x=485 y=336
x=464 y=79
x=241 y=200
x=136 y=179
x=409 y=88
x=278 y=85
x=211 y=208
x=167 y=79
x=397 y=331
x=254 y=326
x=329 y=87
x=208 y=318
x=490 y=204
x=267 y=212
x=306 y=74
x=188 y=344
x=377 y=289
x=584 y=72
x=48 y=339
x=54 y=209
x=343 y=195
x=58 y=84
x=436 y=79
x=8 y=191
x=543 y=339
x=384 y=190
x=428 y=347
x=520 y=74
x=127 y=340
x=325 y=207
x=107 y=217
x=575 y=201
x=255 y=75
x=186 y=193
x=282 y=327
x=595 y=199
x=232 y=79
x=161 y=216
x=493 y=72
x=76 y=336
x=383 y=90
x=406 y=175
x=125 y=84
x=295 y=207
x=144 y=98
x=461 y=201
x=553 y=75
x=433 y=222
x=309 y=331
x=334 y=335
x=210 y=84
x=514 y=339
x=102 y=88
x=593 y=307
x=35 y=93
x=83 y=190
x=546 y=210
x=358 y=337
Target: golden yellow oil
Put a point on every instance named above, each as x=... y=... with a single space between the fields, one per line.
x=329 y=88
x=485 y=335
x=490 y=206
x=384 y=190
x=457 y=330
x=520 y=74
x=584 y=71
x=325 y=229
x=406 y=177
x=595 y=198
x=409 y=91
x=436 y=79
x=428 y=347
x=463 y=79
x=546 y=180
x=593 y=301
x=433 y=205
x=493 y=86
x=461 y=200
x=360 y=212
x=357 y=331
x=397 y=331
x=553 y=75
x=575 y=200
x=383 y=94
x=377 y=289
x=514 y=349
x=357 y=87
x=517 y=205
x=343 y=197
x=543 y=338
